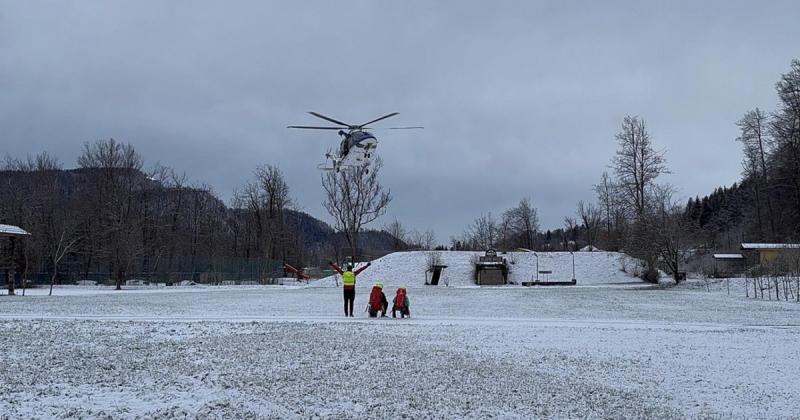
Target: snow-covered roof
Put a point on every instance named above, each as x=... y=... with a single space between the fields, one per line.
x=11 y=230
x=728 y=256
x=490 y=263
x=770 y=246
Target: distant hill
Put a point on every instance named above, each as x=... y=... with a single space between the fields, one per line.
x=317 y=233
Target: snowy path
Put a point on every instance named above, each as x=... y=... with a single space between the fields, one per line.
x=520 y=353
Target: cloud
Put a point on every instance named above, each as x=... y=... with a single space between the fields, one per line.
x=519 y=99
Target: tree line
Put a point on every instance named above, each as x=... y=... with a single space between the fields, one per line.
x=636 y=213
x=765 y=205
x=113 y=218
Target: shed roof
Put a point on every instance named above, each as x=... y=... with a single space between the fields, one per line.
x=11 y=230
x=751 y=246
x=728 y=256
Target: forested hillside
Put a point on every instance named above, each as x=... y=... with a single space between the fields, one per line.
x=111 y=218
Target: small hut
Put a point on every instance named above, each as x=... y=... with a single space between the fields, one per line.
x=491 y=269
x=9 y=236
x=728 y=265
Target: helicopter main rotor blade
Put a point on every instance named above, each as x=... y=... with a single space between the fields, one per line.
x=392 y=128
x=318 y=115
x=310 y=127
x=378 y=119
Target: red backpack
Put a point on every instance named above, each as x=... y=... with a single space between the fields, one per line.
x=375 y=301
x=400 y=299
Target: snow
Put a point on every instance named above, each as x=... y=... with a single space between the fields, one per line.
x=592 y=351
x=589 y=248
x=748 y=246
x=408 y=268
x=12 y=230
x=86 y=283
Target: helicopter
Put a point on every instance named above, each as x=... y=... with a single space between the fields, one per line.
x=357 y=146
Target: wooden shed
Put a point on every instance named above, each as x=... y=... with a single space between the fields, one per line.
x=728 y=265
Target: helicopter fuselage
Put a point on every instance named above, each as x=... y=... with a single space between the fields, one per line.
x=356 y=149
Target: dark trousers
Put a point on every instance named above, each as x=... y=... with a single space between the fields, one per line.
x=374 y=313
x=349 y=301
x=403 y=312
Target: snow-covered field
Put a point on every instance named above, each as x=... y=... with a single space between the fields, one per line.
x=408 y=268
x=617 y=351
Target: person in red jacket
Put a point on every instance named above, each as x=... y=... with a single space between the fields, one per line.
x=401 y=303
x=348 y=285
x=377 y=301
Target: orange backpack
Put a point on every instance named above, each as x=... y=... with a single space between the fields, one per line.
x=400 y=299
x=375 y=301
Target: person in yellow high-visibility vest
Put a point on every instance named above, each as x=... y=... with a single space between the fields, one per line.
x=348 y=285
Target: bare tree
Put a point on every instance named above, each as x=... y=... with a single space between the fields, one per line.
x=65 y=244
x=119 y=184
x=636 y=164
x=666 y=233
x=355 y=198
x=756 y=145
x=570 y=233
x=606 y=196
x=429 y=239
x=520 y=224
x=785 y=132
x=275 y=194
x=592 y=218
x=398 y=232
x=483 y=233
x=423 y=240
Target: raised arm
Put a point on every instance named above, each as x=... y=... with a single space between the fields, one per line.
x=361 y=269
x=336 y=267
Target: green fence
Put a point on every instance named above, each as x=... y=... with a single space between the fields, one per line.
x=218 y=270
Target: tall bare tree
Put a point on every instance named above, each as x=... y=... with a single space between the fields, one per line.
x=757 y=145
x=119 y=185
x=785 y=130
x=276 y=200
x=355 y=198
x=606 y=197
x=636 y=164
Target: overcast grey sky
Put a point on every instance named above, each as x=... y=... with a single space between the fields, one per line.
x=518 y=98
